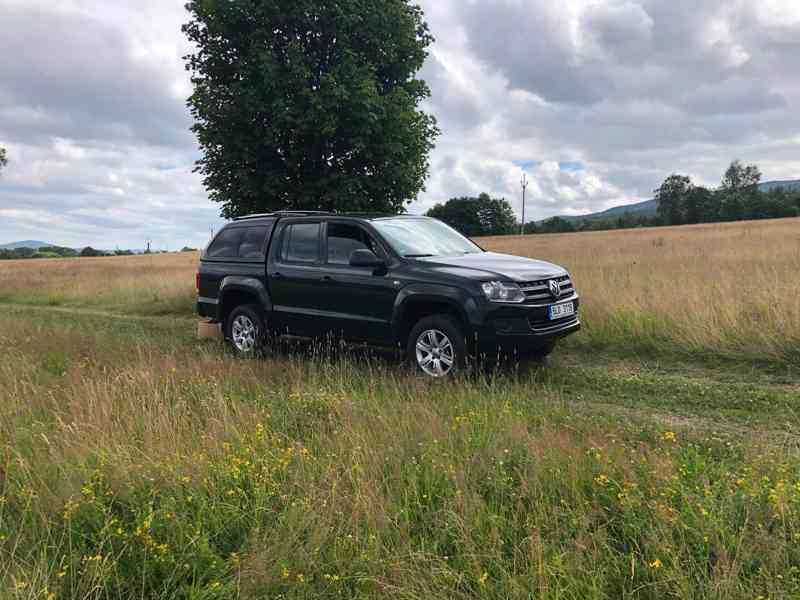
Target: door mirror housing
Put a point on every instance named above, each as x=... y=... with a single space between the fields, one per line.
x=366 y=258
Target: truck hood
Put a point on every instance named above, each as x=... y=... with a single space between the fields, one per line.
x=490 y=265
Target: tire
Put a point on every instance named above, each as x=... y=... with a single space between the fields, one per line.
x=245 y=330
x=434 y=342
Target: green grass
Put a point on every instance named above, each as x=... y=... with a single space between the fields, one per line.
x=138 y=462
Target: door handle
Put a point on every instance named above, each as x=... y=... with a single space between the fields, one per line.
x=327 y=278
x=276 y=274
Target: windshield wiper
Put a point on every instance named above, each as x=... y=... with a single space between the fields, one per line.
x=417 y=255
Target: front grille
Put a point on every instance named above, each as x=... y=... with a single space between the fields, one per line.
x=538 y=292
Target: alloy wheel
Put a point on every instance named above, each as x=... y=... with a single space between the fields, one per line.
x=435 y=353
x=244 y=334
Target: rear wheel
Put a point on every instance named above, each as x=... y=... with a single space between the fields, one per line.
x=436 y=346
x=245 y=329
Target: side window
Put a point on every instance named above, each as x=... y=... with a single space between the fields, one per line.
x=344 y=239
x=252 y=244
x=301 y=243
x=226 y=244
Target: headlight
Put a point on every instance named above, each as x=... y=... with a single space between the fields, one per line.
x=497 y=291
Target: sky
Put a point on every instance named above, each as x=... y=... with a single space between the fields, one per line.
x=598 y=101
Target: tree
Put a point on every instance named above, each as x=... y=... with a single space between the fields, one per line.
x=741 y=178
x=483 y=215
x=91 y=252
x=701 y=206
x=310 y=104
x=777 y=203
x=3 y=158
x=496 y=215
x=671 y=198
x=459 y=213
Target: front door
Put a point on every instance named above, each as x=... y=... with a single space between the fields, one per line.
x=358 y=301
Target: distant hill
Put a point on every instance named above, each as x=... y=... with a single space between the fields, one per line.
x=35 y=244
x=649 y=208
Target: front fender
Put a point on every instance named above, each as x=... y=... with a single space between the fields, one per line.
x=457 y=299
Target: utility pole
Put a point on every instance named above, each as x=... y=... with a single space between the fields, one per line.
x=524 y=184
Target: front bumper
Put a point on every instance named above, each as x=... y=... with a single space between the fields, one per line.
x=523 y=326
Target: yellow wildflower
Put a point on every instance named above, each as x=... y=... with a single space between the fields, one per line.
x=668 y=436
x=656 y=564
x=483 y=578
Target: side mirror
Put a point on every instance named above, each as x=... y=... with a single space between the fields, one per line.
x=366 y=258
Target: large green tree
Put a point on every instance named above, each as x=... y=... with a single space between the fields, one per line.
x=483 y=215
x=310 y=104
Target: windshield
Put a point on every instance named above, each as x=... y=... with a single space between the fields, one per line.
x=423 y=236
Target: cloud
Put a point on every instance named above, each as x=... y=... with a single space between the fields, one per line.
x=630 y=90
x=597 y=101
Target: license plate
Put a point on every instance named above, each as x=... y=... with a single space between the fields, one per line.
x=559 y=311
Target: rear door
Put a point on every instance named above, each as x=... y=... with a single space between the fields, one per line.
x=295 y=277
x=357 y=301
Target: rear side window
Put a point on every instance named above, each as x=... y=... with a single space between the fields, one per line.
x=226 y=244
x=252 y=245
x=239 y=242
x=301 y=243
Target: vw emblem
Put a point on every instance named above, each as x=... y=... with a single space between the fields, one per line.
x=555 y=289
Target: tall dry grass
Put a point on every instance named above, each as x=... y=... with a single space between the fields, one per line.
x=143 y=284
x=728 y=289
x=731 y=288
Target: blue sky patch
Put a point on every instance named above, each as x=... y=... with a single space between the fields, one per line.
x=526 y=164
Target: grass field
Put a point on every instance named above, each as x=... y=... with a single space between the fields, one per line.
x=654 y=456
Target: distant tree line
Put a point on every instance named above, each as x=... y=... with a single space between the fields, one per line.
x=58 y=252
x=738 y=198
x=679 y=202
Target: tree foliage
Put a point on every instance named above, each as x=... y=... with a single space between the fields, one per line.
x=671 y=198
x=310 y=104
x=479 y=216
x=3 y=158
x=741 y=178
x=737 y=198
x=89 y=252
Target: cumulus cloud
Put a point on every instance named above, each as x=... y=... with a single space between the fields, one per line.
x=597 y=100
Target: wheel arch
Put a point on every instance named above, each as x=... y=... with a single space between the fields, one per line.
x=417 y=302
x=236 y=291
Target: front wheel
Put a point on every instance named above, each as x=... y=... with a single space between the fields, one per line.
x=245 y=329
x=436 y=346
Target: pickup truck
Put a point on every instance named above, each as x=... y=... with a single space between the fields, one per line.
x=398 y=281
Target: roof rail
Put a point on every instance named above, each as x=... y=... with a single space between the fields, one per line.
x=284 y=213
